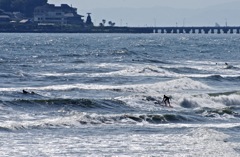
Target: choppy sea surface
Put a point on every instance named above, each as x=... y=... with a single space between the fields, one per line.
x=100 y=95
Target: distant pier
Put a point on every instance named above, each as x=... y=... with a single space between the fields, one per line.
x=193 y=30
x=34 y=28
x=169 y=30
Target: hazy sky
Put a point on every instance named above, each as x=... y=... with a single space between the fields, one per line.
x=159 y=12
x=92 y=4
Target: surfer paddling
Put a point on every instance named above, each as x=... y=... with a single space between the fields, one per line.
x=26 y=92
x=166 y=100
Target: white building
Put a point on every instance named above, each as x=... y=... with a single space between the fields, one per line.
x=52 y=14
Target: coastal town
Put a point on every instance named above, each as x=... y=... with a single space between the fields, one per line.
x=44 y=17
x=41 y=14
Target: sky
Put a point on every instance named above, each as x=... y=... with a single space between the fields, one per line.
x=93 y=4
x=150 y=12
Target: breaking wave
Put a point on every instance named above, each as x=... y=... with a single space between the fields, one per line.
x=99 y=104
x=76 y=119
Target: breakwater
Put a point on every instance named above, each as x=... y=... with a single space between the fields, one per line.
x=33 y=28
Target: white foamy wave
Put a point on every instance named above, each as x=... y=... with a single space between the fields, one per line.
x=183 y=85
x=61 y=74
x=186 y=84
x=199 y=101
x=71 y=119
x=144 y=70
x=207 y=142
x=204 y=100
x=173 y=85
x=120 y=70
x=228 y=100
x=178 y=89
x=138 y=70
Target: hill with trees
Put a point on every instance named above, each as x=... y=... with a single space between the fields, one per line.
x=24 y=6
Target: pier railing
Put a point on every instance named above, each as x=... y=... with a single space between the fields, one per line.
x=197 y=30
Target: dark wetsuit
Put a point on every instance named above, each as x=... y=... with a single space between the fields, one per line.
x=166 y=100
x=25 y=92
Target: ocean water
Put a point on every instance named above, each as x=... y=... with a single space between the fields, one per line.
x=100 y=95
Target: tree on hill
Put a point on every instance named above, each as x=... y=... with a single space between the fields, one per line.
x=110 y=23
x=24 y=6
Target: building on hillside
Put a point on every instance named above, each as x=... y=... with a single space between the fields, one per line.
x=51 y=14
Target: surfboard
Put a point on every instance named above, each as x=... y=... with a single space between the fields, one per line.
x=161 y=104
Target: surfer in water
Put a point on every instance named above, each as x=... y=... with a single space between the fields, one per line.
x=166 y=100
x=26 y=92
